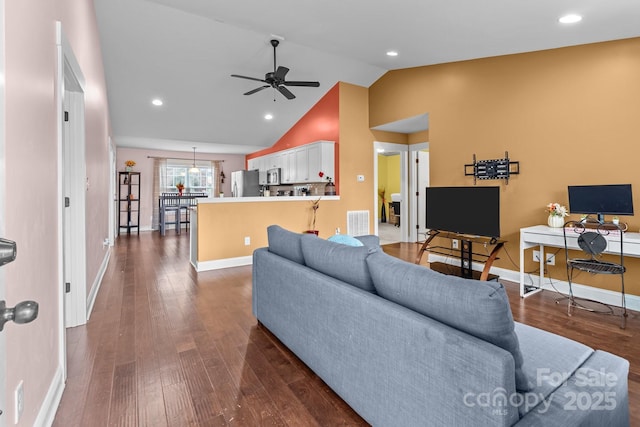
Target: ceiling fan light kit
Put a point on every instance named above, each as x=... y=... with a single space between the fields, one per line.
x=276 y=79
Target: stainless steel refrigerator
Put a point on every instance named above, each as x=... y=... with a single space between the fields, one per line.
x=245 y=183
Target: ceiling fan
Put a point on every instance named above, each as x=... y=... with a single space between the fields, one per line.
x=276 y=79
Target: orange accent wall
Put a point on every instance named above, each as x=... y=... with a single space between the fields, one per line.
x=251 y=219
x=320 y=123
x=569 y=116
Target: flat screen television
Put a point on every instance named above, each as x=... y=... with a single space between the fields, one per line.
x=465 y=210
x=615 y=199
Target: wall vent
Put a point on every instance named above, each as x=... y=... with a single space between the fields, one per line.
x=358 y=223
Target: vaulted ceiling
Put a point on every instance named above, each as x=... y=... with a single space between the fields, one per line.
x=184 y=52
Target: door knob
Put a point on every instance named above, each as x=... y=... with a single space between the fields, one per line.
x=23 y=312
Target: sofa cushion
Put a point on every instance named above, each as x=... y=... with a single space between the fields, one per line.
x=346 y=263
x=477 y=308
x=345 y=239
x=370 y=240
x=549 y=359
x=285 y=243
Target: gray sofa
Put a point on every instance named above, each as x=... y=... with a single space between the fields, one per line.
x=407 y=346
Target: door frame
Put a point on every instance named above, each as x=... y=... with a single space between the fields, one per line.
x=415 y=189
x=112 y=193
x=403 y=149
x=3 y=353
x=72 y=176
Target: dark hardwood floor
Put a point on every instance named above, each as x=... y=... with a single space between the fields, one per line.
x=166 y=346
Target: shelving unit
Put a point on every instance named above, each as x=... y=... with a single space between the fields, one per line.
x=128 y=201
x=464 y=253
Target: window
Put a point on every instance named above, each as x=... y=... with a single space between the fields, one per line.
x=178 y=171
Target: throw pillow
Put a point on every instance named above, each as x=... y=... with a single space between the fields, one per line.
x=285 y=243
x=345 y=239
x=346 y=263
x=478 y=308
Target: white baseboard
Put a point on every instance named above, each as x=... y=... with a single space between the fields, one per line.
x=223 y=263
x=49 y=407
x=95 y=287
x=582 y=291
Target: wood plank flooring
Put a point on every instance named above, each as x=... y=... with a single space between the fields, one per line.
x=166 y=346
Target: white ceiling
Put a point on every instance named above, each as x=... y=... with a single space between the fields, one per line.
x=184 y=52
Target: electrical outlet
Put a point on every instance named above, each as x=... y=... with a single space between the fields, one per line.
x=551 y=259
x=247 y=241
x=19 y=401
x=454 y=243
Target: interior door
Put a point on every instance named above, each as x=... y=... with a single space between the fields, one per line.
x=3 y=354
x=423 y=182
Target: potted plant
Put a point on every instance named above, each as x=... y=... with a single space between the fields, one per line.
x=557 y=212
x=128 y=165
x=180 y=187
x=314 y=207
x=383 y=211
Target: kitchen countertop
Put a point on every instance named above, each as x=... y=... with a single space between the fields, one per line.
x=264 y=199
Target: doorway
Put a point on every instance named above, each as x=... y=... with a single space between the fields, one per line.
x=382 y=152
x=389 y=179
x=70 y=92
x=414 y=175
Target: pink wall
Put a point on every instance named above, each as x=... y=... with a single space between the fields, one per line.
x=144 y=165
x=321 y=122
x=32 y=170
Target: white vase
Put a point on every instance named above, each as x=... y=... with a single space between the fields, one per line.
x=555 y=221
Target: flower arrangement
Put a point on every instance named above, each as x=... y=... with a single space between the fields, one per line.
x=328 y=178
x=180 y=186
x=130 y=163
x=556 y=209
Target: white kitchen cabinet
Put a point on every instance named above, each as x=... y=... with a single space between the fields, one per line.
x=287 y=167
x=300 y=165
x=321 y=157
x=301 y=156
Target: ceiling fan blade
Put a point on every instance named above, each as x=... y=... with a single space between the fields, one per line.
x=308 y=84
x=280 y=73
x=283 y=90
x=248 y=78
x=258 y=89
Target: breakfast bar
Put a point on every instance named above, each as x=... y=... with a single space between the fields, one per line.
x=226 y=230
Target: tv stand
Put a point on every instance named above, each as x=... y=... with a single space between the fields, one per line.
x=466 y=254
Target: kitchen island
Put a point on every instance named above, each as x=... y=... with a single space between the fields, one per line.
x=226 y=230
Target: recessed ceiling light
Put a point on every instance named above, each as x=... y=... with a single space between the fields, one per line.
x=380 y=150
x=392 y=53
x=157 y=102
x=268 y=116
x=571 y=18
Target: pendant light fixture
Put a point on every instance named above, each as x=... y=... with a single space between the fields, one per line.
x=194 y=168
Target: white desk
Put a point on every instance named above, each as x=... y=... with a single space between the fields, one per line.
x=540 y=236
